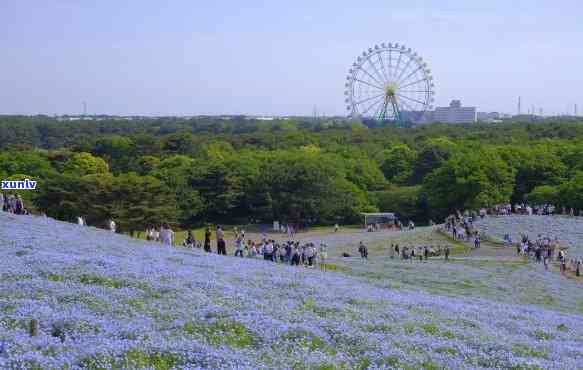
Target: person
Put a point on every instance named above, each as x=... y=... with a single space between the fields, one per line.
x=310 y=253
x=80 y=221
x=336 y=228
x=221 y=245
x=578 y=271
x=166 y=234
x=19 y=205
x=189 y=241
x=363 y=250
x=1 y=202
x=425 y=253
x=323 y=254
x=477 y=242
x=447 y=252
x=268 y=251
x=207 y=239
x=112 y=226
x=295 y=260
x=239 y=246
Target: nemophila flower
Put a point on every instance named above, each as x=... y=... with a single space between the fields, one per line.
x=104 y=300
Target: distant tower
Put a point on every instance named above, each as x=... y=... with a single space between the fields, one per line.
x=540 y=112
x=575 y=110
x=519 y=106
x=533 y=111
x=315 y=113
x=84 y=109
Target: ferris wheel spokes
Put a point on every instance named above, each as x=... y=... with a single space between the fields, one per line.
x=382 y=85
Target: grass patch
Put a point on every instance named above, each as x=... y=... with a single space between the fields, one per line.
x=542 y=335
x=53 y=277
x=309 y=304
x=104 y=281
x=229 y=332
x=333 y=267
x=133 y=359
x=447 y=350
x=380 y=328
x=306 y=339
x=523 y=350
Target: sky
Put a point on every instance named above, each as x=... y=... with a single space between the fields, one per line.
x=191 y=57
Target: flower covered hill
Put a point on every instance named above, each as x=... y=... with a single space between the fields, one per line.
x=104 y=300
x=569 y=230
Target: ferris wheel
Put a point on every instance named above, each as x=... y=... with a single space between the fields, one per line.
x=389 y=82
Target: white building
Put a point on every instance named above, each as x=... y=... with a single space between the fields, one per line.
x=455 y=113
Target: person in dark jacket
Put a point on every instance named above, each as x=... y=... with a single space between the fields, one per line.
x=207 y=239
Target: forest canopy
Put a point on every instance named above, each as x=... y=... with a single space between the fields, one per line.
x=192 y=171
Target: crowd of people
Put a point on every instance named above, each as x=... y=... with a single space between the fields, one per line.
x=12 y=203
x=288 y=252
x=462 y=228
x=395 y=225
x=421 y=253
x=543 y=249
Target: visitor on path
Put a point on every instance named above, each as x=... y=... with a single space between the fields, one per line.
x=447 y=253
x=112 y=226
x=477 y=242
x=189 y=241
x=295 y=260
x=268 y=249
x=207 y=239
x=239 y=247
x=425 y=253
x=323 y=253
x=81 y=221
x=221 y=244
x=336 y=228
x=310 y=254
x=2 y=202
x=166 y=234
x=363 y=250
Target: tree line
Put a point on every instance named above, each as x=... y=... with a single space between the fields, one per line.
x=192 y=171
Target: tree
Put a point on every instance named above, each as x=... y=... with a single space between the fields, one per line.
x=398 y=164
x=571 y=192
x=141 y=200
x=82 y=164
x=470 y=179
x=30 y=162
x=433 y=153
x=544 y=194
x=539 y=166
x=405 y=201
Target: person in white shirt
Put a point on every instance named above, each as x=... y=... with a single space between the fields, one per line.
x=166 y=235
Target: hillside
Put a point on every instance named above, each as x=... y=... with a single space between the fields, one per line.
x=104 y=300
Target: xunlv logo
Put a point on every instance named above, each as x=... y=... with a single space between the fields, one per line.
x=18 y=184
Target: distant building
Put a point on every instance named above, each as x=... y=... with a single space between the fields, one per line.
x=455 y=113
x=491 y=117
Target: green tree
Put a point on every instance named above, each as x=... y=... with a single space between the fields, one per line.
x=82 y=164
x=434 y=152
x=468 y=180
x=398 y=164
x=544 y=194
x=539 y=166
